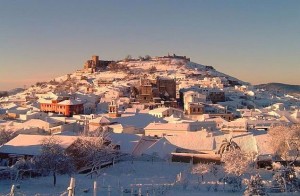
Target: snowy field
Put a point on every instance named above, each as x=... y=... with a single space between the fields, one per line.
x=157 y=178
x=124 y=178
x=154 y=176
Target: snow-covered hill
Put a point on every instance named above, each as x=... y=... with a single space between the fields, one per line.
x=84 y=81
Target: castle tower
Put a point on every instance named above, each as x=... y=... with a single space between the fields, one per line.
x=113 y=109
x=95 y=60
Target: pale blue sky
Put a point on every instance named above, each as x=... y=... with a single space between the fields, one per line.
x=256 y=41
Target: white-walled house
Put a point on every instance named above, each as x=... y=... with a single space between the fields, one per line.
x=163 y=129
x=238 y=125
x=113 y=93
x=33 y=115
x=16 y=111
x=278 y=106
x=166 y=112
x=48 y=95
x=212 y=82
x=46 y=126
x=98 y=122
x=177 y=128
x=218 y=120
x=119 y=128
x=191 y=97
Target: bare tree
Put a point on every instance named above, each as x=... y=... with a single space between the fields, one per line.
x=94 y=152
x=152 y=69
x=286 y=142
x=53 y=82
x=40 y=84
x=6 y=135
x=236 y=162
x=201 y=169
x=255 y=186
x=128 y=58
x=23 y=166
x=140 y=58
x=147 y=57
x=53 y=158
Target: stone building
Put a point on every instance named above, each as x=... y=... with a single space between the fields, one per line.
x=95 y=64
x=226 y=116
x=146 y=91
x=216 y=96
x=195 y=109
x=156 y=91
x=166 y=87
x=174 y=56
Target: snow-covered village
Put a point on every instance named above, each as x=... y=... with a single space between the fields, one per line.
x=149 y=126
x=149 y=98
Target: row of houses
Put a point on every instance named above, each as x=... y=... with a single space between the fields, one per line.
x=199 y=145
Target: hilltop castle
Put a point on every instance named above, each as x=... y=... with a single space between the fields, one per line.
x=174 y=56
x=95 y=64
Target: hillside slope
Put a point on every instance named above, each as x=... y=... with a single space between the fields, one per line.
x=286 y=88
x=81 y=80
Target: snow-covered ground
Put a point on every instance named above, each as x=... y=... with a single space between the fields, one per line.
x=150 y=176
x=154 y=178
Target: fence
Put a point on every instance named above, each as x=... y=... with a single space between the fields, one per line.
x=97 y=188
x=132 y=190
x=139 y=187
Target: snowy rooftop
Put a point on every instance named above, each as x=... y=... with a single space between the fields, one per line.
x=158 y=110
x=139 y=120
x=169 y=126
x=100 y=120
x=70 y=102
x=264 y=144
x=197 y=141
x=32 y=144
x=126 y=141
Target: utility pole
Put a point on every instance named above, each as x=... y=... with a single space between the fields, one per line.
x=86 y=127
